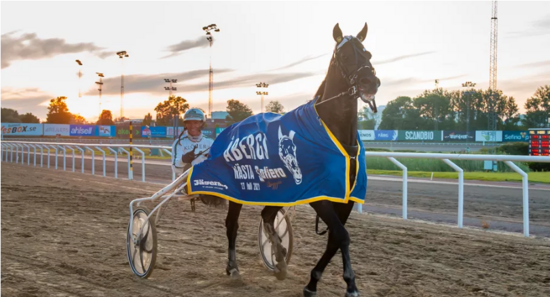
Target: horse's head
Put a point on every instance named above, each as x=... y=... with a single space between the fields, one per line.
x=353 y=61
x=287 y=153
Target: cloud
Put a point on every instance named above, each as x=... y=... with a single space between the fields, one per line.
x=538 y=27
x=154 y=84
x=535 y=64
x=29 y=47
x=178 y=48
x=401 y=58
x=26 y=100
x=151 y=83
x=305 y=59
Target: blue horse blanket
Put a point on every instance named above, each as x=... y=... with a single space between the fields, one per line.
x=280 y=160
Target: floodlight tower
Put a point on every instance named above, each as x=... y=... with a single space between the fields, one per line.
x=100 y=85
x=79 y=76
x=493 y=69
x=262 y=93
x=210 y=38
x=176 y=114
x=122 y=55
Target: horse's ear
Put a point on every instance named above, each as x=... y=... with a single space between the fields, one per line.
x=337 y=33
x=280 y=133
x=291 y=134
x=363 y=34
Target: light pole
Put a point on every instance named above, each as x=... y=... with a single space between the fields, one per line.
x=79 y=76
x=468 y=93
x=100 y=85
x=170 y=89
x=210 y=38
x=262 y=93
x=122 y=55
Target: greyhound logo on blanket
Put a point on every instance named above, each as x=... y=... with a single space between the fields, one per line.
x=287 y=152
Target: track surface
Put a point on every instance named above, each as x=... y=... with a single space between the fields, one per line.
x=63 y=234
x=498 y=207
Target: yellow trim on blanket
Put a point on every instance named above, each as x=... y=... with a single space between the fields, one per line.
x=233 y=199
x=342 y=150
x=356 y=166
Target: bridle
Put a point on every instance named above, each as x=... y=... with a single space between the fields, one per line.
x=351 y=78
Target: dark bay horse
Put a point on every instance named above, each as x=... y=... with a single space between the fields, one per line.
x=350 y=76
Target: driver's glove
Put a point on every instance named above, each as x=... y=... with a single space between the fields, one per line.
x=189 y=157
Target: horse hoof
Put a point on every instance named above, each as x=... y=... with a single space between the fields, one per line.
x=280 y=271
x=308 y=293
x=233 y=273
x=352 y=294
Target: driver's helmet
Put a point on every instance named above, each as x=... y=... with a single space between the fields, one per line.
x=194 y=114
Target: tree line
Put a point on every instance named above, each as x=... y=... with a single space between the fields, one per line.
x=441 y=109
x=436 y=109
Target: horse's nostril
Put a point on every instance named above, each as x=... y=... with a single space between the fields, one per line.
x=364 y=81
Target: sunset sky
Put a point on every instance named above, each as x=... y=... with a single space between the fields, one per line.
x=287 y=45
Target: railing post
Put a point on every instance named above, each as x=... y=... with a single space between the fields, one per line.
x=28 y=154
x=103 y=152
x=82 y=161
x=11 y=154
x=41 y=155
x=142 y=164
x=173 y=173
x=116 y=160
x=64 y=157
x=55 y=155
x=130 y=177
x=460 y=191
x=405 y=202
x=16 y=154
x=34 y=148
x=72 y=149
x=93 y=159
x=525 y=186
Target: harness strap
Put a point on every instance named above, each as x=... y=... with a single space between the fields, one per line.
x=350 y=149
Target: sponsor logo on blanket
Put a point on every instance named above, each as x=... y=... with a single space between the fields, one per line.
x=216 y=184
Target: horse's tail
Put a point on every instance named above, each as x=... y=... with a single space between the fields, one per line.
x=213 y=201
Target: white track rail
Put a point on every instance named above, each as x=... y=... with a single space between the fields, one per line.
x=9 y=147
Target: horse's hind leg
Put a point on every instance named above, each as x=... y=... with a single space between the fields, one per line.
x=269 y=213
x=335 y=216
x=232 y=225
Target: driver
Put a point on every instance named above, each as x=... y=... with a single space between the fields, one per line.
x=191 y=142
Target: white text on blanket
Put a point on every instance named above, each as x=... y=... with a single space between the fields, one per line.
x=250 y=147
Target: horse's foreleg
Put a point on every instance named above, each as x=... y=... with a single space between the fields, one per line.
x=232 y=225
x=343 y=211
x=335 y=216
x=269 y=213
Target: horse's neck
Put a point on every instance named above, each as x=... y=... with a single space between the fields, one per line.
x=340 y=114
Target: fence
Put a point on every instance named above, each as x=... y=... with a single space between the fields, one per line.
x=9 y=147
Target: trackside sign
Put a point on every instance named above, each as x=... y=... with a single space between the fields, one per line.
x=21 y=129
x=413 y=135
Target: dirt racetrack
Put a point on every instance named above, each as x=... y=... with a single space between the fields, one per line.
x=63 y=234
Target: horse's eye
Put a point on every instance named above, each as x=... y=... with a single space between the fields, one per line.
x=344 y=57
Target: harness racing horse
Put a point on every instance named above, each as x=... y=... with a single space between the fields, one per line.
x=350 y=76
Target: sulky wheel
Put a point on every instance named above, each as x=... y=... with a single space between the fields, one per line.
x=284 y=229
x=143 y=252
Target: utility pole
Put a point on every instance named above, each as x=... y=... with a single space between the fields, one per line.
x=122 y=55
x=174 y=117
x=79 y=76
x=468 y=93
x=210 y=38
x=262 y=93
x=100 y=85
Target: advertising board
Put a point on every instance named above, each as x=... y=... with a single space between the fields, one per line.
x=153 y=132
x=458 y=136
x=105 y=131
x=57 y=129
x=81 y=130
x=515 y=136
x=488 y=136
x=388 y=135
x=366 y=134
x=415 y=135
x=22 y=129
